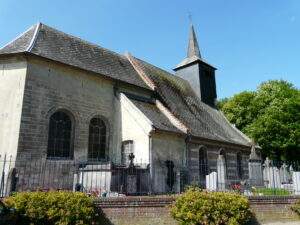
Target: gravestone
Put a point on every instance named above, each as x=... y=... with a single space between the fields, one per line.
x=255 y=169
x=211 y=181
x=284 y=174
x=131 y=184
x=271 y=175
x=93 y=178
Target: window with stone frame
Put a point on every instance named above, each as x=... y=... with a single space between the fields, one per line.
x=60 y=137
x=127 y=149
x=203 y=162
x=223 y=154
x=239 y=165
x=97 y=140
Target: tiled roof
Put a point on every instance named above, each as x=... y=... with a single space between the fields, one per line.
x=201 y=119
x=52 y=44
x=159 y=120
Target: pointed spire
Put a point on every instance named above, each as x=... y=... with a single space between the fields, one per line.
x=193 y=47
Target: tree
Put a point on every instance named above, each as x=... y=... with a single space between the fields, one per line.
x=270 y=116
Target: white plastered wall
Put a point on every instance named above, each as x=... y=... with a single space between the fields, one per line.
x=12 y=83
x=135 y=126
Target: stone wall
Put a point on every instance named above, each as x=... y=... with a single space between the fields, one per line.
x=167 y=147
x=213 y=150
x=50 y=87
x=155 y=210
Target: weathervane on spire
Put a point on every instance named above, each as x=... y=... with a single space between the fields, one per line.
x=190 y=17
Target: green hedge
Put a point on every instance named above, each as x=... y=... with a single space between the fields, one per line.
x=213 y=208
x=54 y=208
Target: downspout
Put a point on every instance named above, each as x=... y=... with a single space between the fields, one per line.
x=186 y=155
x=187 y=140
x=151 y=179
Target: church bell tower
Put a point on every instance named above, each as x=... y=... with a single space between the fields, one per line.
x=197 y=72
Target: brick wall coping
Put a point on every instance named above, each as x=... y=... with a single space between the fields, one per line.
x=161 y=201
x=273 y=199
x=134 y=201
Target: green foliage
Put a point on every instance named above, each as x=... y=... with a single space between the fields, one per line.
x=53 y=208
x=296 y=207
x=213 y=208
x=271 y=191
x=271 y=116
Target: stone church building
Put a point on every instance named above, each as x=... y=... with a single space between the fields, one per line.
x=63 y=99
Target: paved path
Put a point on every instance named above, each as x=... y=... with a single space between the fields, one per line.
x=283 y=223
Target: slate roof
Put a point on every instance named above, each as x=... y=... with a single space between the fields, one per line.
x=201 y=119
x=159 y=120
x=50 y=43
x=193 y=52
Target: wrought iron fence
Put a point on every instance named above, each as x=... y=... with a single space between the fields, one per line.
x=99 y=178
x=280 y=178
x=105 y=178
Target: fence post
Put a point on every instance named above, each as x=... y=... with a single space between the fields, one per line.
x=2 y=182
x=296 y=182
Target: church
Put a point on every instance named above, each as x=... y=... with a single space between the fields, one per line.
x=63 y=99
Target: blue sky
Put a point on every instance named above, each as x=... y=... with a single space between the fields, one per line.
x=248 y=41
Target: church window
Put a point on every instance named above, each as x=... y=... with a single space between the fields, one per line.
x=60 y=143
x=239 y=165
x=97 y=139
x=203 y=162
x=127 y=149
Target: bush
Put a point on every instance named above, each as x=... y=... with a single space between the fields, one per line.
x=213 y=208
x=296 y=207
x=53 y=208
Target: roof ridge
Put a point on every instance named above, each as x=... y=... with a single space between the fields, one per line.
x=156 y=67
x=16 y=38
x=34 y=37
x=133 y=61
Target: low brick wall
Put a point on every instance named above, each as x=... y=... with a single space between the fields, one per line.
x=274 y=208
x=137 y=210
x=155 y=210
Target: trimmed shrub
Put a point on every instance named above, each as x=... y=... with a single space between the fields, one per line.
x=53 y=208
x=214 y=208
x=296 y=207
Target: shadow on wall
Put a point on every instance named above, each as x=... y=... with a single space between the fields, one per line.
x=103 y=220
x=254 y=221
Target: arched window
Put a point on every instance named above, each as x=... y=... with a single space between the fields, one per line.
x=203 y=166
x=223 y=158
x=97 y=139
x=239 y=165
x=60 y=143
x=222 y=170
x=223 y=154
